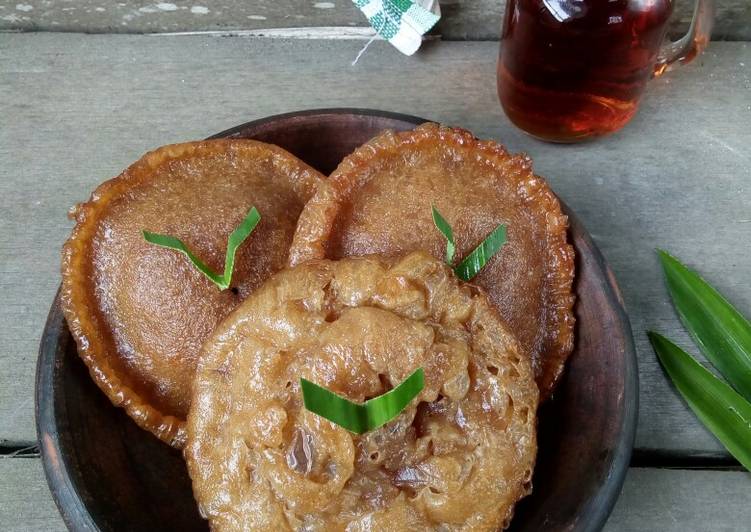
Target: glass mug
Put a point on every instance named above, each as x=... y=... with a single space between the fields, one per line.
x=569 y=70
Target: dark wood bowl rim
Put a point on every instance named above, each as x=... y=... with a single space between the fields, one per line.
x=73 y=508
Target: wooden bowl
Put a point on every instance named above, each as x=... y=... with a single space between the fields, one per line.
x=107 y=474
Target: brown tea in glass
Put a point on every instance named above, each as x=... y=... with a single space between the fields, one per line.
x=569 y=70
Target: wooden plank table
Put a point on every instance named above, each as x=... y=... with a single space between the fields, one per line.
x=76 y=109
x=460 y=20
x=652 y=500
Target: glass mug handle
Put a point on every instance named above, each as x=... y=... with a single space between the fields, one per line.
x=693 y=43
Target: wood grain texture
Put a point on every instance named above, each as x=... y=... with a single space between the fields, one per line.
x=25 y=500
x=652 y=499
x=461 y=19
x=677 y=501
x=81 y=108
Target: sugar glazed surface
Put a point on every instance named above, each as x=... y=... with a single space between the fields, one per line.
x=379 y=200
x=139 y=312
x=458 y=458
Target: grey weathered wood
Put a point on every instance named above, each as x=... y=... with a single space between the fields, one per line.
x=77 y=109
x=462 y=19
x=652 y=499
x=677 y=501
x=25 y=501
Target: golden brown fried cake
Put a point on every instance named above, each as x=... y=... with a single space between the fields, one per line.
x=139 y=312
x=460 y=455
x=379 y=201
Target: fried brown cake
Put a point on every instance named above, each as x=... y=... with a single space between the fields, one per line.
x=379 y=201
x=457 y=458
x=139 y=312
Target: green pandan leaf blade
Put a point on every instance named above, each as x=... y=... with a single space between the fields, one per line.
x=370 y=415
x=475 y=261
x=237 y=237
x=720 y=331
x=445 y=228
x=717 y=405
x=171 y=242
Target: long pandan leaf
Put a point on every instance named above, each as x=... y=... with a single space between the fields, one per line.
x=718 y=406
x=720 y=331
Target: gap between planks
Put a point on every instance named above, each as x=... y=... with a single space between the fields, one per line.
x=331 y=33
x=645 y=459
x=19 y=451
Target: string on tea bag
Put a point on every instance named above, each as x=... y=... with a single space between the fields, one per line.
x=362 y=50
